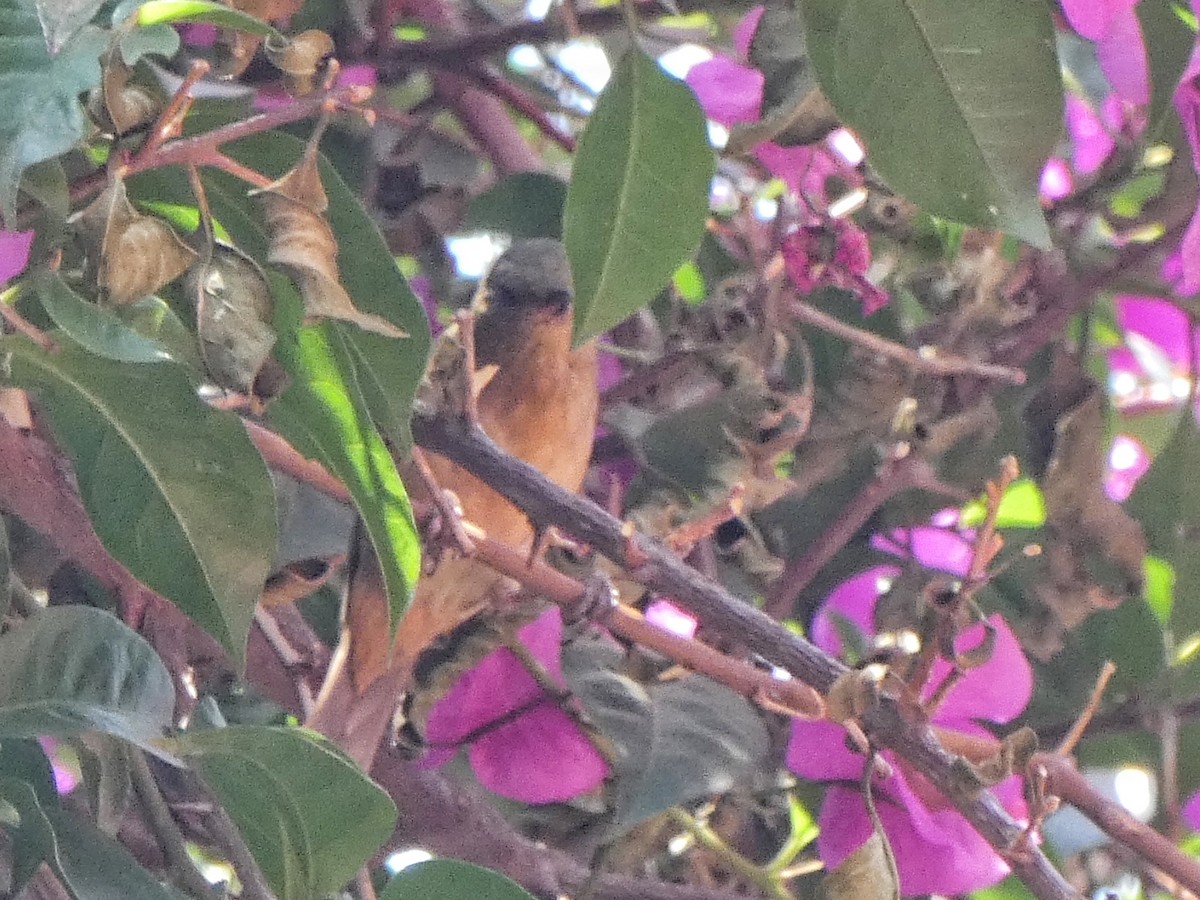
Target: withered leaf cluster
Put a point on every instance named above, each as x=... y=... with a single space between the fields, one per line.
x=303 y=244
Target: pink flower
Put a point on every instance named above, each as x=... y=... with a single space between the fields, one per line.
x=1122 y=56
x=1128 y=461
x=1092 y=143
x=1057 y=181
x=1093 y=18
x=834 y=254
x=936 y=849
x=1187 y=104
x=1153 y=367
x=14 y=253
x=1191 y=811
x=520 y=743
x=668 y=616
x=730 y=92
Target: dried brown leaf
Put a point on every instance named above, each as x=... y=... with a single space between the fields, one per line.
x=865 y=874
x=303 y=244
x=301 y=58
x=234 y=317
x=119 y=106
x=1088 y=533
x=133 y=254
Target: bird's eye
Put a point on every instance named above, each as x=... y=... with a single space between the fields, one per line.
x=559 y=300
x=501 y=295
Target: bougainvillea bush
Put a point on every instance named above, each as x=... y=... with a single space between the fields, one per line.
x=893 y=485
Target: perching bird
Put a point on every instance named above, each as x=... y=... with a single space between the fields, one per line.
x=539 y=402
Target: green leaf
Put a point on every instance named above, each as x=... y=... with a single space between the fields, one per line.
x=1022 y=506
x=307 y=813
x=673 y=743
x=451 y=879
x=704 y=737
x=959 y=104
x=175 y=490
x=39 y=93
x=1159 y=591
x=324 y=415
x=1168 y=41
x=93 y=328
x=95 y=867
x=24 y=759
x=62 y=20
x=74 y=669
x=638 y=197
x=159 y=12
x=153 y=40
x=524 y=205
x=1166 y=502
x=32 y=837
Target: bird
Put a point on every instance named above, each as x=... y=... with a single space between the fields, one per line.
x=538 y=400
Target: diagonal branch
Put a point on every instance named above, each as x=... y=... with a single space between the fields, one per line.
x=659 y=569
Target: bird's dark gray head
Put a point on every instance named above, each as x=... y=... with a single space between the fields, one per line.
x=532 y=273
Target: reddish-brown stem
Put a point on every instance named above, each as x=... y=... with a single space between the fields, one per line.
x=491 y=81
x=1065 y=781
x=202 y=148
x=924 y=360
x=454 y=50
x=736 y=674
x=281 y=455
x=23 y=326
x=170 y=121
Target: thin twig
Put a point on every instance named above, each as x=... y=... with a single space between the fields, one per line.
x=704 y=835
x=170 y=839
x=1065 y=781
x=1072 y=737
x=926 y=359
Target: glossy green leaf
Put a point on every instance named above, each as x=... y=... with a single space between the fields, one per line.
x=39 y=93
x=307 y=813
x=524 y=205
x=638 y=197
x=175 y=490
x=74 y=669
x=1166 y=502
x=93 y=328
x=451 y=879
x=160 y=12
x=324 y=415
x=959 y=104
